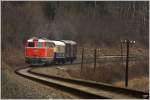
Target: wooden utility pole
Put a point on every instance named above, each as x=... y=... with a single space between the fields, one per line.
x=82 y=59
x=128 y=42
x=127 y=62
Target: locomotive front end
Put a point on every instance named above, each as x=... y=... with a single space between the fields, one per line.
x=38 y=51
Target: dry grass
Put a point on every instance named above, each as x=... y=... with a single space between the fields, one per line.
x=111 y=72
x=89 y=74
x=141 y=83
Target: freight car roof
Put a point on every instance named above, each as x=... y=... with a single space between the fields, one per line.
x=69 y=41
x=57 y=42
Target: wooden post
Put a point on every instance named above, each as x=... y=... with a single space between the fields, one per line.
x=94 y=59
x=127 y=62
x=82 y=59
x=121 y=53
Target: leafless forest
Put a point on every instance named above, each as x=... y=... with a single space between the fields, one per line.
x=94 y=23
x=91 y=23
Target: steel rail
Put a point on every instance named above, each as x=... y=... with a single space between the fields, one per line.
x=86 y=89
x=102 y=59
x=104 y=86
x=87 y=61
x=82 y=94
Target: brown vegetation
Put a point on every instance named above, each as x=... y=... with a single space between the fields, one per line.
x=140 y=83
x=110 y=72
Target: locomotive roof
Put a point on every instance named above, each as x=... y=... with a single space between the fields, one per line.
x=39 y=39
x=69 y=41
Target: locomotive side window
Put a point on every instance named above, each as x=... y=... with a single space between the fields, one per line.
x=40 y=44
x=30 y=44
x=52 y=44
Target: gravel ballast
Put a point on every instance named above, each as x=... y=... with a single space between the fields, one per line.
x=17 y=87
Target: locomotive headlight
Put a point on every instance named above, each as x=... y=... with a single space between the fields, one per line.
x=63 y=55
x=43 y=59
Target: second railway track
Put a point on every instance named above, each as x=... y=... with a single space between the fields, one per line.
x=83 y=88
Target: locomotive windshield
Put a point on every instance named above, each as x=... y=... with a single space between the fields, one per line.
x=30 y=44
x=40 y=44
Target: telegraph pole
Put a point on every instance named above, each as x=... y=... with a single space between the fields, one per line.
x=127 y=42
x=127 y=63
x=82 y=59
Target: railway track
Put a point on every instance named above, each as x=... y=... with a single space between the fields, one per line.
x=102 y=59
x=83 y=88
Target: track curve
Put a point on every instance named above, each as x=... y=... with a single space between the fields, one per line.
x=82 y=88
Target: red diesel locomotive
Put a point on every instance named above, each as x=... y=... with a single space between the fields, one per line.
x=43 y=51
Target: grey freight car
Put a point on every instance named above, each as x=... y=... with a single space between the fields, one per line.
x=70 y=50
